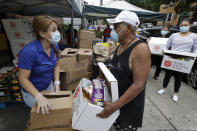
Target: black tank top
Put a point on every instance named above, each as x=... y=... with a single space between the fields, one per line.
x=131 y=113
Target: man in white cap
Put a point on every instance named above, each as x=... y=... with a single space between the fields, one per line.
x=130 y=66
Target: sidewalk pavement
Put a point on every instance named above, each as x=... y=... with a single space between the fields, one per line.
x=163 y=114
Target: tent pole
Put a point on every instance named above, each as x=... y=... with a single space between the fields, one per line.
x=72 y=30
x=83 y=19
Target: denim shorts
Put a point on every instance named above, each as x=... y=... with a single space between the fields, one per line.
x=29 y=99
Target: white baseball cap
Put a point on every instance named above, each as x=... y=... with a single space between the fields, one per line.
x=127 y=17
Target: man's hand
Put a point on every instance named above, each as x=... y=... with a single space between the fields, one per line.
x=109 y=108
x=43 y=104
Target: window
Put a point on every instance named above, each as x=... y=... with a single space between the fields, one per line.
x=169 y=17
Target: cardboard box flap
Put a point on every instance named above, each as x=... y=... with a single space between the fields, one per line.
x=69 y=52
x=109 y=76
x=180 y=53
x=60 y=93
x=83 y=51
x=113 y=88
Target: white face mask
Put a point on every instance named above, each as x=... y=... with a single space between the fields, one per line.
x=55 y=37
x=184 y=28
x=164 y=32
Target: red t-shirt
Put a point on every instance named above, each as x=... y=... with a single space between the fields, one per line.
x=106 y=32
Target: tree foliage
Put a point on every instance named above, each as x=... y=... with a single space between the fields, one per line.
x=153 y=5
x=184 y=6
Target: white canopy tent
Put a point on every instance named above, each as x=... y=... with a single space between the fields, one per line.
x=123 y=5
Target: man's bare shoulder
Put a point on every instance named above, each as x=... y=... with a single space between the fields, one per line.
x=141 y=50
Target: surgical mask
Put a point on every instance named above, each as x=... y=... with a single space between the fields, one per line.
x=164 y=32
x=55 y=37
x=114 y=35
x=184 y=28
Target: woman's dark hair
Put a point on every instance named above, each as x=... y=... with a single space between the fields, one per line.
x=188 y=20
x=166 y=26
x=42 y=23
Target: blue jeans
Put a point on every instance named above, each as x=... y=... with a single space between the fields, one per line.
x=29 y=99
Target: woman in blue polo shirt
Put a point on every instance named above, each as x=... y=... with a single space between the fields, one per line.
x=38 y=63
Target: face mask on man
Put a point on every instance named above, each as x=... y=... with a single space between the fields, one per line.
x=55 y=37
x=114 y=35
x=184 y=28
x=164 y=32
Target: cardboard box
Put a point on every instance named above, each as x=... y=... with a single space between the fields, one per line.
x=67 y=63
x=71 y=86
x=57 y=128
x=12 y=24
x=16 y=34
x=90 y=75
x=84 y=114
x=69 y=52
x=75 y=71
x=83 y=34
x=156 y=44
x=85 y=54
x=85 y=43
x=178 y=61
x=60 y=116
x=17 y=45
x=90 y=68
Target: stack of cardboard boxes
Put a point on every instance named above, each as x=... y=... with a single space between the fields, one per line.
x=86 y=54
x=60 y=117
x=77 y=63
x=86 y=39
x=71 y=70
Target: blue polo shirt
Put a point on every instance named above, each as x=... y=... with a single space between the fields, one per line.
x=32 y=57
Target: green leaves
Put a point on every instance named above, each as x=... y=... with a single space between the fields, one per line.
x=180 y=6
x=152 y=5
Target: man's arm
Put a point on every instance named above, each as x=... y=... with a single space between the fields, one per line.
x=141 y=63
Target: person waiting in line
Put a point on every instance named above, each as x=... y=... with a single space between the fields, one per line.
x=130 y=66
x=99 y=33
x=156 y=60
x=106 y=33
x=39 y=64
x=71 y=43
x=183 y=41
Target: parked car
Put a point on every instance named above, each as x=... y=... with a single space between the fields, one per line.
x=146 y=25
x=144 y=34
